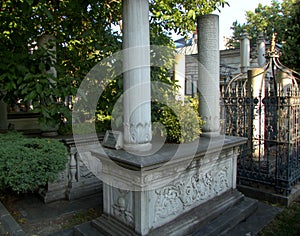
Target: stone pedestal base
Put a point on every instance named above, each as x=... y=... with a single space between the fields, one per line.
x=77 y=180
x=84 y=188
x=57 y=190
x=216 y=217
x=147 y=195
x=263 y=193
x=191 y=222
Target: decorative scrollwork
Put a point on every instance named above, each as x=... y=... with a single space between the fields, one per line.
x=180 y=195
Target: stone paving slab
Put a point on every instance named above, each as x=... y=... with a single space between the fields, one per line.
x=229 y=219
x=33 y=209
x=43 y=219
x=8 y=225
x=263 y=215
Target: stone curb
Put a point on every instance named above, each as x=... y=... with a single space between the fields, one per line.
x=9 y=226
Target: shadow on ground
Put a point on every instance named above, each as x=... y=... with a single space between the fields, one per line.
x=37 y=218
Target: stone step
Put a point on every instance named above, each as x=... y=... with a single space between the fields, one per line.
x=66 y=232
x=244 y=216
x=200 y=216
x=214 y=218
x=252 y=225
x=86 y=229
x=228 y=219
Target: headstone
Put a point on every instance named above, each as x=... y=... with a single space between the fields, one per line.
x=113 y=139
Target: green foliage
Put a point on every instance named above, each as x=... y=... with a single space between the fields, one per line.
x=83 y=36
x=84 y=33
x=181 y=121
x=291 y=37
x=180 y=16
x=29 y=163
x=100 y=126
x=280 y=17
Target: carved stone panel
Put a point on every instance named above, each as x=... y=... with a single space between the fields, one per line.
x=192 y=189
x=122 y=205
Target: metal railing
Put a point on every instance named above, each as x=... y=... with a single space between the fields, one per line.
x=270 y=119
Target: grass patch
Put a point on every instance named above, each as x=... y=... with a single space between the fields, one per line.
x=285 y=223
x=79 y=218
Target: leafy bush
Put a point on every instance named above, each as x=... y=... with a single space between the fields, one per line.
x=181 y=122
x=29 y=163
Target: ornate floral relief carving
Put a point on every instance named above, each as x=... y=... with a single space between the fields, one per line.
x=120 y=207
x=123 y=215
x=221 y=181
x=191 y=190
x=168 y=201
x=140 y=132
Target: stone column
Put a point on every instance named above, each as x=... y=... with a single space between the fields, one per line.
x=284 y=80
x=136 y=80
x=256 y=89
x=261 y=49
x=208 y=73
x=245 y=52
x=179 y=74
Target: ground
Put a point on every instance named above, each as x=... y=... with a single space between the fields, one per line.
x=39 y=219
x=285 y=223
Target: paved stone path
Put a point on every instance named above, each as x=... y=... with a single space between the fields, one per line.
x=44 y=219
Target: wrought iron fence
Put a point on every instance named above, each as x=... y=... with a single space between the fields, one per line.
x=270 y=119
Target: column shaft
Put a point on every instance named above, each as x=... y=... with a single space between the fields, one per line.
x=208 y=72
x=179 y=69
x=245 y=52
x=136 y=67
x=261 y=50
x=256 y=90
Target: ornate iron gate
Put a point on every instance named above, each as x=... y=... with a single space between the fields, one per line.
x=265 y=107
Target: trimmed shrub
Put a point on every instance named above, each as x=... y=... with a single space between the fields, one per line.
x=29 y=163
x=181 y=122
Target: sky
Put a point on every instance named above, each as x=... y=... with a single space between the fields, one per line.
x=236 y=11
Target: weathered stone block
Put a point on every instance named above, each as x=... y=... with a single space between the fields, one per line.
x=149 y=192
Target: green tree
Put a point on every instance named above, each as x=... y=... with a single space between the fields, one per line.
x=282 y=18
x=83 y=33
x=180 y=15
x=291 y=37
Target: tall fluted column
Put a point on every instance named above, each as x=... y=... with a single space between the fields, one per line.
x=137 y=90
x=179 y=69
x=208 y=73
